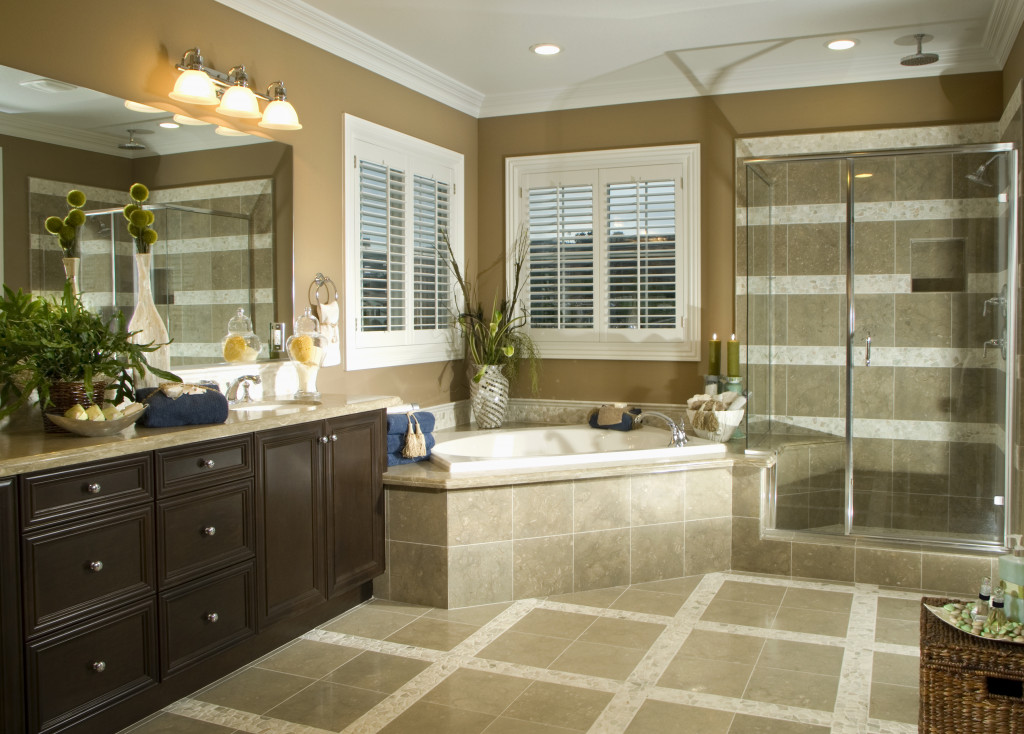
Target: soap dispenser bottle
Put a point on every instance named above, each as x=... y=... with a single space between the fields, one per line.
x=241 y=343
x=1011 y=571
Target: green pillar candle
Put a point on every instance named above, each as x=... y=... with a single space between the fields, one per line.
x=732 y=357
x=714 y=356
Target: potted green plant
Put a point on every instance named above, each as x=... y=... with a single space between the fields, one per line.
x=497 y=346
x=48 y=344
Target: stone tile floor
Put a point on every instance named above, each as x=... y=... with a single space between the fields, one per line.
x=723 y=653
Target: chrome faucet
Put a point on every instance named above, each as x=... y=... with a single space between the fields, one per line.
x=244 y=381
x=678 y=430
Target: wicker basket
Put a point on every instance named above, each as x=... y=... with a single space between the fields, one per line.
x=728 y=421
x=65 y=394
x=969 y=685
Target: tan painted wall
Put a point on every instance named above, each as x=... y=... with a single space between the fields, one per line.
x=99 y=51
x=128 y=49
x=713 y=122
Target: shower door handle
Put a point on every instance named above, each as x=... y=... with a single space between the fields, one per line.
x=867 y=351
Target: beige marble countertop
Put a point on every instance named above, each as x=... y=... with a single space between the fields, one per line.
x=32 y=450
x=430 y=476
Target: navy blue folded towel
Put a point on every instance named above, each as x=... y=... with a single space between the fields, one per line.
x=398 y=423
x=210 y=406
x=396 y=442
x=628 y=418
x=395 y=457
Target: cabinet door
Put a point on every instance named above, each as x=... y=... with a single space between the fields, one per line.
x=11 y=691
x=289 y=519
x=355 y=529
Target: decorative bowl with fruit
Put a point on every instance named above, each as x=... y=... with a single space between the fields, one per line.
x=96 y=421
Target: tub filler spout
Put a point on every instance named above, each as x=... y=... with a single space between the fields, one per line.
x=678 y=430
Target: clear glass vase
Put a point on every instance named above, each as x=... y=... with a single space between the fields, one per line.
x=488 y=396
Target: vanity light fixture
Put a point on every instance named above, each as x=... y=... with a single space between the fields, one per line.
x=186 y=120
x=229 y=132
x=841 y=44
x=863 y=175
x=545 y=49
x=202 y=84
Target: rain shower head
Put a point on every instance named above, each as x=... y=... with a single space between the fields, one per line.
x=978 y=176
x=132 y=144
x=919 y=58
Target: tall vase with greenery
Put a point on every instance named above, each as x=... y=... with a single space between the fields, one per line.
x=497 y=346
x=48 y=342
x=146 y=322
x=66 y=231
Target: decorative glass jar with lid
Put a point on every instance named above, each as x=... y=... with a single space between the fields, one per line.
x=241 y=344
x=306 y=351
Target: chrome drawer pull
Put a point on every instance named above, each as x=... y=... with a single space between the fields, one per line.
x=334 y=436
x=212 y=617
x=210 y=530
x=324 y=439
x=93 y=488
x=206 y=463
x=99 y=666
x=96 y=566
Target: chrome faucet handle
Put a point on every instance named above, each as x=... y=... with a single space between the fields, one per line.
x=243 y=381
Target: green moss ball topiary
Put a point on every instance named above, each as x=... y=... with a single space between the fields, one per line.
x=67 y=234
x=139 y=192
x=128 y=209
x=134 y=231
x=150 y=218
x=139 y=217
x=149 y=236
x=75 y=218
x=53 y=225
x=76 y=198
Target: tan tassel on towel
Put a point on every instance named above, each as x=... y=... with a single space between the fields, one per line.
x=415 y=442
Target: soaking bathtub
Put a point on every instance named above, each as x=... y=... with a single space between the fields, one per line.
x=561 y=446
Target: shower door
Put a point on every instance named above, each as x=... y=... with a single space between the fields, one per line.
x=930 y=288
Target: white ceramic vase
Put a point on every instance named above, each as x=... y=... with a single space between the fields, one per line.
x=489 y=396
x=146 y=320
x=71 y=268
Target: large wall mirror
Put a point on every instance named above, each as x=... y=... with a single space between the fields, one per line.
x=223 y=208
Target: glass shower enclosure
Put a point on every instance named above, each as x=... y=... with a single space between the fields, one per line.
x=879 y=310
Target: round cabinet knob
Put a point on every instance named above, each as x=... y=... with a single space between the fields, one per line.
x=93 y=488
x=95 y=566
x=99 y=666
x=324 y=439
x=212 y=617
x=206 y=463
x=334 y=437
x=210 y=530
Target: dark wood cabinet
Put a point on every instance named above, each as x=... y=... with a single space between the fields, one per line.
x=355 y=496
x=130 y=582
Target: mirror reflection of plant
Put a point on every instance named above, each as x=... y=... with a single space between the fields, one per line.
x=140 y=220
x=497 y=338
x=66 y=229
x=45 y=340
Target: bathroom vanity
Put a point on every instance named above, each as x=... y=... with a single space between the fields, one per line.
x=135 y=569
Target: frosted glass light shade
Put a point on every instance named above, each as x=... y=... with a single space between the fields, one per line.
x=228 y=132
x=195 y=87
x=186 y=120
x=280 y=115
x=239 y=102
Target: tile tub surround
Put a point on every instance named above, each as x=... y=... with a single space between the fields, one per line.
x=722 y=653
x=461 y=547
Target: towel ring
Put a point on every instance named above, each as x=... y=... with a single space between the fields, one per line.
x=321 y=281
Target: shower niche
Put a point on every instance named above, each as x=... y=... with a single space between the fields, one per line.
x=876 y=291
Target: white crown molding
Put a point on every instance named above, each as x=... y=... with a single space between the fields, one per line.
x=324 y=31
x=1003 y=25
x=57 y=135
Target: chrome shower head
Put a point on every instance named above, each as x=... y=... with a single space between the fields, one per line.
x=919 y=58
x=978 y=176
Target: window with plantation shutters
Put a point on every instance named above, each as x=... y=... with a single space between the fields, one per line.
x=403 y=196
x=614 y=251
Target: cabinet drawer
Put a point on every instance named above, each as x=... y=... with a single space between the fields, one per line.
x=102 y=486
x=75 y=673
x=200 y=465
x=206 y=616
x=86 y=567
x=203 y=531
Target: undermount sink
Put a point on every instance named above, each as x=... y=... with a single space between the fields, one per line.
x=264 y=405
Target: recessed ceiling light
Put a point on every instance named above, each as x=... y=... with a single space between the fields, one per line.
x=229 y=132
x=863 y=175
x=841 y=44
x=169 y=125
x=139 y=107
x=545 y=49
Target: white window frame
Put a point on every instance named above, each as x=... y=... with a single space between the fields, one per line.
x=681 y=343
x=372 y=142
